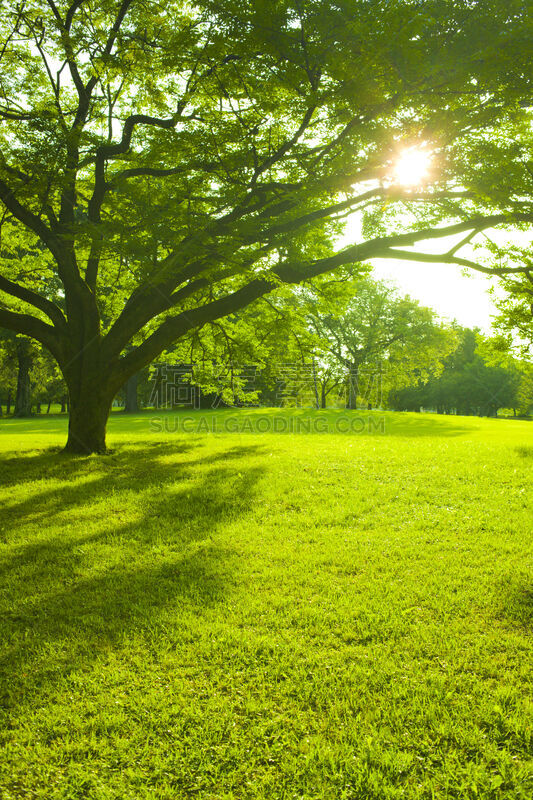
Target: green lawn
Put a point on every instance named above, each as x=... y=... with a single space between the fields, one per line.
x=268 y=615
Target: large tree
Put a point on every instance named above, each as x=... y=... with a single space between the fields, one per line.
x=166 y=164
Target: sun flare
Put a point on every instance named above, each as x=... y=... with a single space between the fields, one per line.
x=412 y=167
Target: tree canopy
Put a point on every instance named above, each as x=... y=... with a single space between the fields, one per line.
x=166 y=164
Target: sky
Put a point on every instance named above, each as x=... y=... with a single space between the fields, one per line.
x=446 y=288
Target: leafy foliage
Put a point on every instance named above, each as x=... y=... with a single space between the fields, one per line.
x=478 y=378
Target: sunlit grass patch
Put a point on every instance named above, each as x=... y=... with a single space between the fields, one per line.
x=248 y=615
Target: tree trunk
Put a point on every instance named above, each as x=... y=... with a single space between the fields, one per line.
x=131 y=405
x=90 y=396
x=8 y=403
x=88 y=421
x=353 y=387
x=315 y=384
x=48 y=407
x=23 y=397
x=323 y=395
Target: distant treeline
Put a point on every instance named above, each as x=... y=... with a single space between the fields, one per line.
x=469 y=384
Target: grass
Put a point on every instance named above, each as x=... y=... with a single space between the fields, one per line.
x=257 y=615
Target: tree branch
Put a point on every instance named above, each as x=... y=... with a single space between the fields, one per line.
x=29 y=219
x=66 y=269
x=27 y=296
x=293 y=272
x=286 y=146
x=35 y=328
x=160 y=172
x=101 y=187
x=446 y=258
x=70 y=13
x=176 y=327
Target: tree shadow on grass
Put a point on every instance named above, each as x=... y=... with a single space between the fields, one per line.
x=515 y=600
x=413 y=425
x=52 y=463
x=79 y=481
x=525 y=451
x=71 y=596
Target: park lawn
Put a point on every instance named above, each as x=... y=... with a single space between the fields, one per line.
x=268 y=615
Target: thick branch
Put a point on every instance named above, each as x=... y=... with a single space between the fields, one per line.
x=315 y=216
x=101 y=187
x=70 y=13
x=292 y=272
x=35 y=328
x=160 y=172
x=176 y=327
x=67 y=44
x=110 y=150
x=29 y=219
x=474 y=224
x=384 y=247
x=27 y=296
x=66 y=267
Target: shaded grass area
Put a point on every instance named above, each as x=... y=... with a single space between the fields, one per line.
x=243 y=615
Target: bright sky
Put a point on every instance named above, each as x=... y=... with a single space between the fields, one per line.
x=444 y=288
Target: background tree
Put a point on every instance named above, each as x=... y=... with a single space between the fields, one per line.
x=29 y=376
x=477 y=378
x=168 y=164
x=511 y=355
x=8 y=378
x=525 y=390
x=19 y=353
x=376 y=334
x=260 y=354
x=24 y=355
x=47 y=382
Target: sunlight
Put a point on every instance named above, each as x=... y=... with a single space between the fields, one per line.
x=412 y=167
